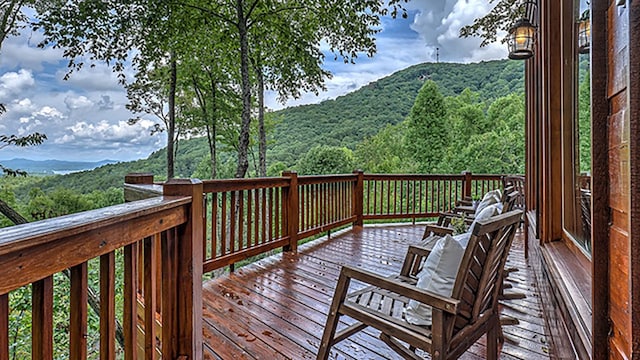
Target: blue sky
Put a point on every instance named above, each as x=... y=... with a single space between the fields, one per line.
x=85 y=118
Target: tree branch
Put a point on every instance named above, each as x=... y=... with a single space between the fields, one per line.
x=210 y=12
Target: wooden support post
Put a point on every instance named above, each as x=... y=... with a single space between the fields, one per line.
x=467 y=184
x=4 y=327
x=292 y=211
x=189 y=269
x=139 y=178
x=358 y=199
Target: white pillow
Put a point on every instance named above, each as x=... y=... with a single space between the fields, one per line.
x=438 y=276
x=463 y=239
x=490 y=198
x=485 y=214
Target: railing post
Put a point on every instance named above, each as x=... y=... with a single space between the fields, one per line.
x=358 y=199
x=292 y=211
x=188 y=333
x=139 y=178
x=133 y=192
x=467 y=184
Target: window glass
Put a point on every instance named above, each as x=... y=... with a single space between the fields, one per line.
x=578 y=221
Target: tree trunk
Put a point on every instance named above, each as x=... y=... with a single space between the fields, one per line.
x=243 y=140
x=263 y=137
x=211 y=130
x=173 y=78
x=11 y=214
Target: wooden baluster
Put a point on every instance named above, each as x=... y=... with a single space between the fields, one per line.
x=263 y=228
x=214 y=225
x=375 y=197
x=233 y=213
x=304 y=207
x=250 y=240
x=130 y=301
x=223 y=226
x=158 y=255
x=107 y=306
x=395 y=196
x=169 y=267
x=42 y=319
x=78 y=318
x=205 y=220
x=241 y=243
x=4 y=327
x=270 y=220
x=276 y=212
x=256 y=222
x=149 y=271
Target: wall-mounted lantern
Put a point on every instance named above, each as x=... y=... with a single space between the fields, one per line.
x=584 y=33
x=521 y=40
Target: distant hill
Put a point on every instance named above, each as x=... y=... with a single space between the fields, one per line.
x=349 y=119
x=345 y=121
x=52 y=166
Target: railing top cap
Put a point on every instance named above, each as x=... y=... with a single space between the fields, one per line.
x=23 y=236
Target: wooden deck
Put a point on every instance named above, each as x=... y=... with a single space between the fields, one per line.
x=276 y=308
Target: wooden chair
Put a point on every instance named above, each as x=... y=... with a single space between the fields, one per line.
x=442 y=226
x=458 y=321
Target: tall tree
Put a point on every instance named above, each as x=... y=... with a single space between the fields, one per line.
x=145 y=33
x=427 y=132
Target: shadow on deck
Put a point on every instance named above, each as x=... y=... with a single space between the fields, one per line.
x=276 y=308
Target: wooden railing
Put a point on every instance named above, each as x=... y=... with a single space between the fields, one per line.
x=248 y=217
x=125 y=239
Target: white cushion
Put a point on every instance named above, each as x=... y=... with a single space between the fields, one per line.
x=490 y=198
x=463 y=239
x=485 y=214
x=438 y=276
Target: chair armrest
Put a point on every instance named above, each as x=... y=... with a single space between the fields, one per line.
x=413 y=260
x=438 y=230
x=465 y=209
x=443 y=303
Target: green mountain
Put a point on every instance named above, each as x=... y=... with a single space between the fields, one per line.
x=52 y=166
x=344 y=121
x=349 y=119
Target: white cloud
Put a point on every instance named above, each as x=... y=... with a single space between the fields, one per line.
x=104 y=134
x=13 y=83
x=77 y=102
x=48 y=112
x=21 y=51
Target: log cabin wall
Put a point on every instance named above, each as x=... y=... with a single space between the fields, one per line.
x=606 y=324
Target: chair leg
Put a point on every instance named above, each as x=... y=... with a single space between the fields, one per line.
x=333 y=318
x=407 y=353
x=493 y=336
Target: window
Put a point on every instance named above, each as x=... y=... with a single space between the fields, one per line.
x=577 y=140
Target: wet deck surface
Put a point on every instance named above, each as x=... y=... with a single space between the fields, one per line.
x=276 y=308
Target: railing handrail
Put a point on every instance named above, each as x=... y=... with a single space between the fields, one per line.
x=244 y=184
x=19 y=237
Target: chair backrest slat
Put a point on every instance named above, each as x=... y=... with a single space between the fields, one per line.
x=481 y=270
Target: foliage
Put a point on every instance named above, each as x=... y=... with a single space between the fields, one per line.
x=384 y=152
x=323 y=159
x=501 y=18
x=427 y=134
x=584 y=124
x=363 y=113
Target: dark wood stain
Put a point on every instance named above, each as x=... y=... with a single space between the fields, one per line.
x=276 y=308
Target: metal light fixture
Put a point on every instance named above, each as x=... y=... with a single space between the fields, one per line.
x=584 y=33
x=521 y=40
x=521 y=36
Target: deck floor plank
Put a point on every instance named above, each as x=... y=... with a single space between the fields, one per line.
x=276 y=308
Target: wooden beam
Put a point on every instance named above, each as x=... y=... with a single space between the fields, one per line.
x=599 y=180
